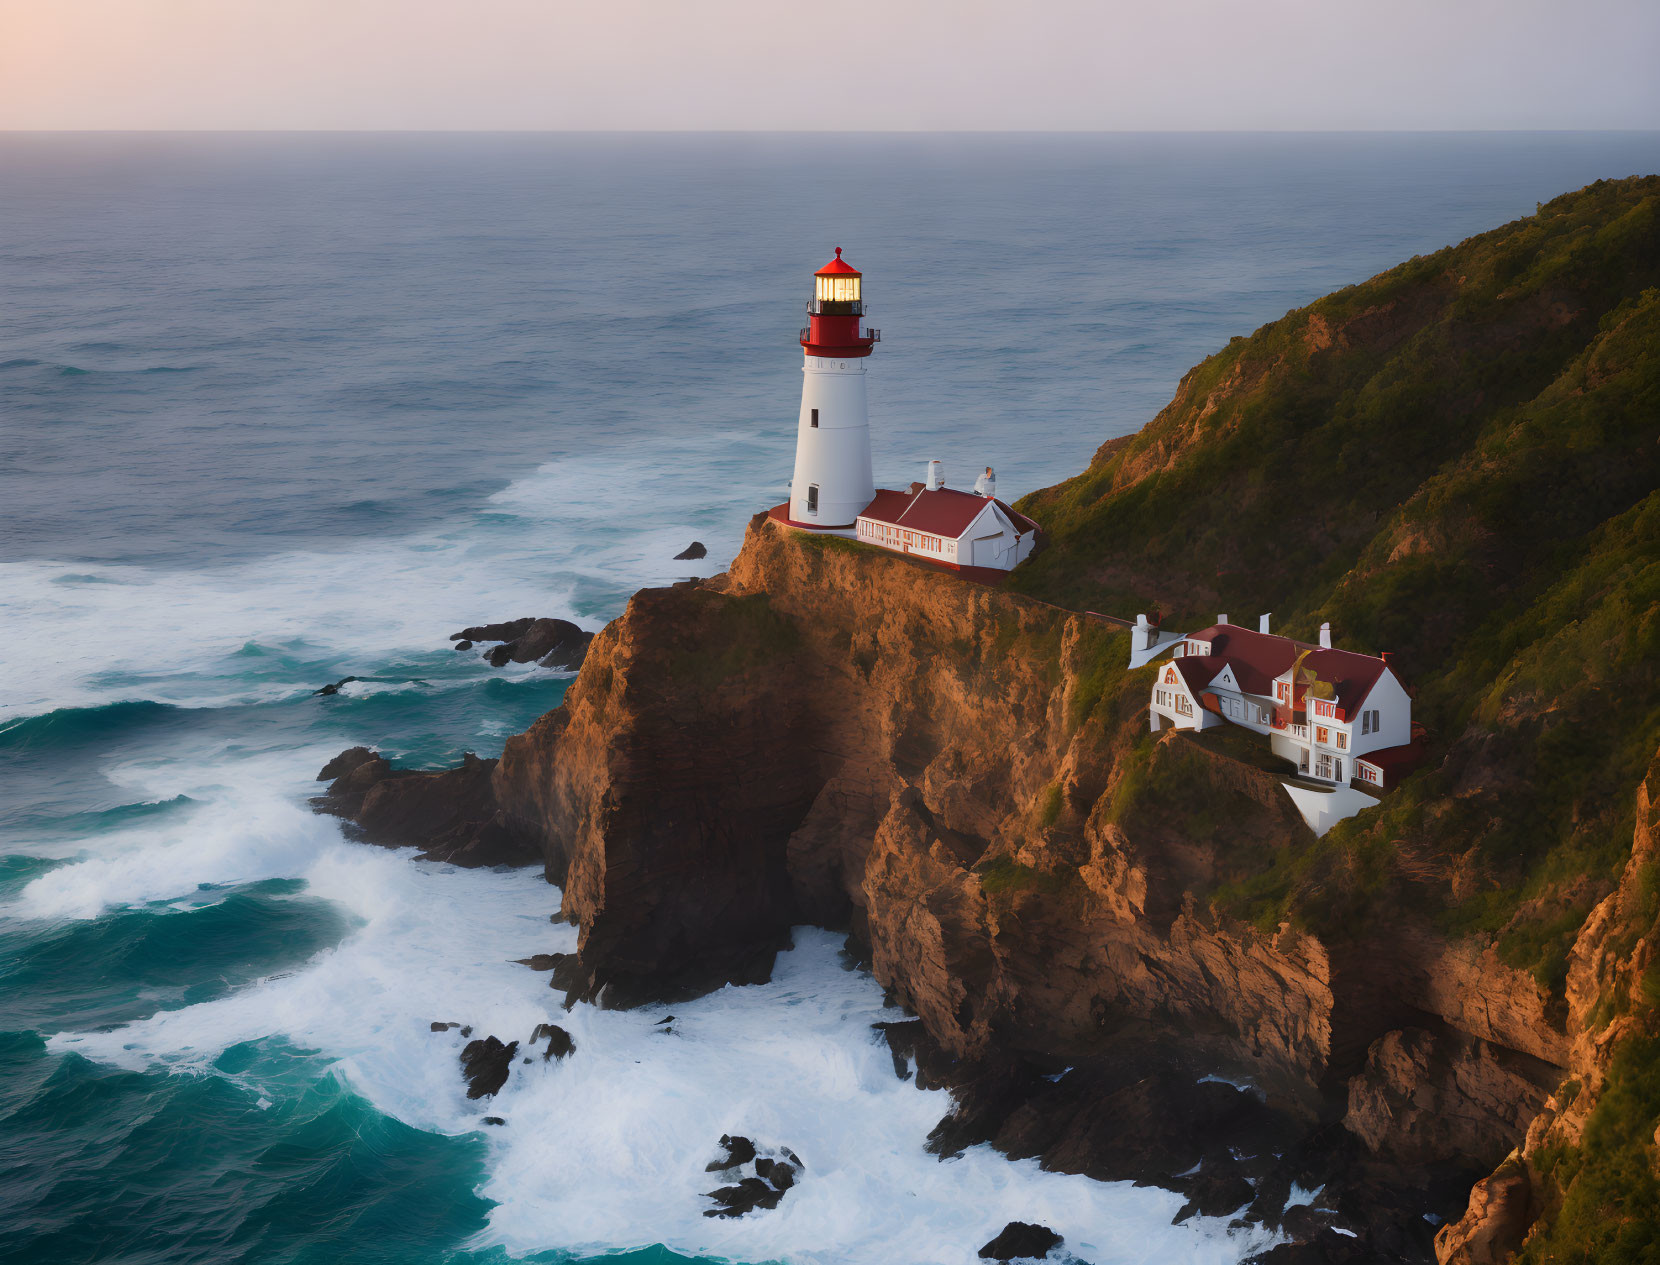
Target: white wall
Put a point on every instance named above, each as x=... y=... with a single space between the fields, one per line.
x=1394 y=708
x=836 y=454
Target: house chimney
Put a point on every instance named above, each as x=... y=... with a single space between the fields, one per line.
x=1325 y=635
x=936 y=476
x=986 y=484
x=1221 y=619
x=1143 y=633
x=1262 y=622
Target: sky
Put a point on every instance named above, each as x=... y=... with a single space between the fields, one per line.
x=788 y=65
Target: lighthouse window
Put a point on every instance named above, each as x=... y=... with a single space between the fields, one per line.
x=815 y=419
x=838 y=289
x=812 y=498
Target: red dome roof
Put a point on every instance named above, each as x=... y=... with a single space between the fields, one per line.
x=838 y=267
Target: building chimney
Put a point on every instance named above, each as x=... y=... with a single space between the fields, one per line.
x=1325 y=635
x=1143 y=639
x=1221 y=619
x=986 y=484
x=936 y=476
x=1262 y=622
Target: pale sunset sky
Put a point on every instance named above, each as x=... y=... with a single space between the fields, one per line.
x=860 y=65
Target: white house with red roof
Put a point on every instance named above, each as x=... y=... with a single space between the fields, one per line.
x=1342 y=718
x=953 y=528
x=833 y=490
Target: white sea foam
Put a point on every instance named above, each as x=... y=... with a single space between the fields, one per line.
x=173 y=636
x=605 y=1150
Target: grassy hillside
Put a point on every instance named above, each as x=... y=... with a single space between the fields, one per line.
x=1455 y=461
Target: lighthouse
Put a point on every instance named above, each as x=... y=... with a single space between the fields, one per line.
x=833 y=482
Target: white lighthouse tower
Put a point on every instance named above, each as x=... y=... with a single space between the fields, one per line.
x=833 y=481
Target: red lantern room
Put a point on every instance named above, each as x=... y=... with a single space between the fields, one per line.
x=833 y=315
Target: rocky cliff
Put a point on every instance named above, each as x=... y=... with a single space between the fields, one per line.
x=964 y=779
x=1097 y=928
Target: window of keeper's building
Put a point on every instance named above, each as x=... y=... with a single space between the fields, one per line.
x=815 y=419
x=812 y=498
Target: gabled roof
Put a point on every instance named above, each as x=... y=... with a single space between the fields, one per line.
x=1353 y=675
x=887 y=507
x=1022 y=524
x=939 y=511
x=1198 y=670
x=1258 y=658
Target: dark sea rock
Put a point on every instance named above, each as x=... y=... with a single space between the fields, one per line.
x=1212 y=1193
x=463 y=644
x=494 y=1120
x=335 y=687
x=345 y=762
x=494 y=632
x=735 y=1151
x=560 y=1043
x=450 y=814
x=554 y=643
x=1021 y=1240
x=444 y=1027
x=781 y=1173
x=692 y=551
x=748 y=1195
x=485 y=1064
x=541 y=961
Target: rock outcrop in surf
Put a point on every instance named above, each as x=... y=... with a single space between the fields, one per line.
x=553 y=643
x=449 y=814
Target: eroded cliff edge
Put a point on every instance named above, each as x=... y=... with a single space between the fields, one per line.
x=963 y=779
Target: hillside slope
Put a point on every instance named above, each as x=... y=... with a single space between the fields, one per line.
x=1456 y=461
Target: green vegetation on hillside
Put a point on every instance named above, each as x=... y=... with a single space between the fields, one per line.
x=1455 y=461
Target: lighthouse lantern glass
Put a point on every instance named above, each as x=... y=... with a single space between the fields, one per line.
x=842 y=289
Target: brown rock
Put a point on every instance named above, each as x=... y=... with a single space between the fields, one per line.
x=1493 y=1227
x=451 y=815
x=1425 y=1098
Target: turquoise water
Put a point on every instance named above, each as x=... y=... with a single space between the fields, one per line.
x=279 y=410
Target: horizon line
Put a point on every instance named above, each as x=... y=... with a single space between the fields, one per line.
x=736 y=131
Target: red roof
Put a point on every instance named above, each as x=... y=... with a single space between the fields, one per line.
x=1258 y=658
x=1198 y=670
x=838 y=267
x=1353 y=674
x=1022 y=524
x=888 y=506
x=939 y=512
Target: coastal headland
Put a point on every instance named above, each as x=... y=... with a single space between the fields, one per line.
x=1430 y=1033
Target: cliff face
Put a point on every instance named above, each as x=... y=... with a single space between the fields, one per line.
x=831 y=735
x=963 y=779
x=1456 y=460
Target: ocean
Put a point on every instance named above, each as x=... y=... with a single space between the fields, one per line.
x=280 y=409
